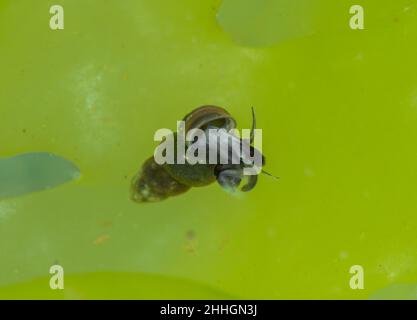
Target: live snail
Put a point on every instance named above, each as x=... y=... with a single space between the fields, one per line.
x=155 y=182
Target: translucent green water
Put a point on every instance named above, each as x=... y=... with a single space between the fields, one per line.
x=338 y=109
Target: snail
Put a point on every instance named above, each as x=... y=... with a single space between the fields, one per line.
x=155 y=182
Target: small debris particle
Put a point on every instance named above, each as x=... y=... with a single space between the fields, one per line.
x=101 y=239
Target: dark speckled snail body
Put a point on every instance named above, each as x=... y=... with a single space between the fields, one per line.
x=156 y=182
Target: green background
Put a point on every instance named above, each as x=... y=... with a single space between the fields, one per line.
x=338 y=109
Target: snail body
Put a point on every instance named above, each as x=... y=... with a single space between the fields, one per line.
x=156 y=182
x=153 y=183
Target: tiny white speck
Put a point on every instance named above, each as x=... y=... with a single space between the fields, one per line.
x=392 y=276
x=6 y=210
x=343 y=255
x=309 y=173
x=359 y=56
x=271 y=232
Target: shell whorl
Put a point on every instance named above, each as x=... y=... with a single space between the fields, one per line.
x=204 y=116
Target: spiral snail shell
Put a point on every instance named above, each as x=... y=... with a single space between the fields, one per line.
x=156 y=182
x=204 y=116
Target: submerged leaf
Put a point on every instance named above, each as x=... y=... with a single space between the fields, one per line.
x=125 y=285
x=33 y=172
x=396 y=292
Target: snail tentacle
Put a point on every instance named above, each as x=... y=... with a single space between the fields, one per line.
x=252 y=133
x=252 y=180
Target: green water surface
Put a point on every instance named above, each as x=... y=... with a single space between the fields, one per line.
x=338 y=109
